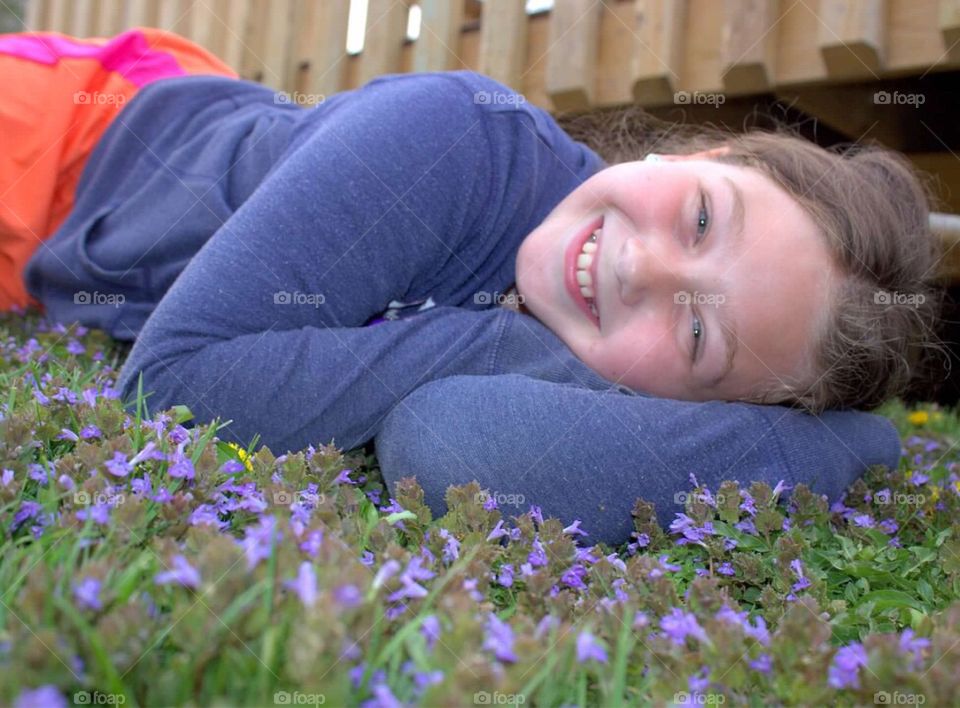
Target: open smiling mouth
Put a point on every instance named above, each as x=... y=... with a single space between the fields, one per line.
x=582 y=270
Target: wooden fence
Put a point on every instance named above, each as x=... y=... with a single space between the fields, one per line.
x=580 y=54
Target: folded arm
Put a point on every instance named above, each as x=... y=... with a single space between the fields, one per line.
x=588 y=454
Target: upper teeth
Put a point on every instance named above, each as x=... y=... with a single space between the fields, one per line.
x=584 y=261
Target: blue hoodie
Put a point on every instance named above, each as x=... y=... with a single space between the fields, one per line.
x=247 y=244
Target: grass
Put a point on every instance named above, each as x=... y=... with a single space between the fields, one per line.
x=146 y=563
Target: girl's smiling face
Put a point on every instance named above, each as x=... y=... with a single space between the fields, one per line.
x=694 y=258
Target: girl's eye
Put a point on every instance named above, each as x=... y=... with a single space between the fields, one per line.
x=697 y=337
x=703 y=219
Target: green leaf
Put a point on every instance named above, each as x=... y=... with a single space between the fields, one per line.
x=887 y=599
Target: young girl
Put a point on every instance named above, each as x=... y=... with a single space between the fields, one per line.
x=334 y=274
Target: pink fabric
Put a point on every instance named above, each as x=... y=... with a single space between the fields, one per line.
x=128 y=54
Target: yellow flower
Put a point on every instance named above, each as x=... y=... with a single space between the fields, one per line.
x=242 y=454
x=918 y=417
x=934 y=493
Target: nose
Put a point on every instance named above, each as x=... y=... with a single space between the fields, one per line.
x=647 y=266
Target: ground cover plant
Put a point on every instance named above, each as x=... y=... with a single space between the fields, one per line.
x=145 y=562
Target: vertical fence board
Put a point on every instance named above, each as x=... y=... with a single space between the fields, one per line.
x=503 y=41
x=748 y=47
x=111 y=17
x=36 y=14
x=949 y=22
x=58 y=17
x=572 y=53
x=143 y=13
x=82 y=15
x=319 y=55
x=174 y=16
x=386 y=30
x=438 y=45
x=659 y=28
x=851 y=37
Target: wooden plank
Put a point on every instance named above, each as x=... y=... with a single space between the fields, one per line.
x=277 y=34
x=386 y=31
x=572 y=53
x=111 y=18
x=35 y=15
x=58 y=17
x=659 y=58
x=616 y=55
x=748 y=46
x=439 y=41
x=948 y=19
x=503 y=41
x=851 y=37
x=206 y=26
x=83 y=17
x=319 y=42
x=174 y=16
x=143 y=13
x=251 y=58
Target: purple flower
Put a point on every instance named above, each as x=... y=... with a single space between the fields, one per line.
x=538 y=556
x=726 y=569
x=748 y=505
x=691 y=533
x=6 y=477
x=430 y=629
x=66 y=434
x=348 y=595
x=311 y=545
x=305 y=584
x=803 y=582
x=498 y=638
x=763 y=663
x=918 y=478
x=411 y=588
x=640 y=619
x=573 y=576
x=451 y=549
x=344 y=477
x=699 y=681
x=889 y=526
x=87 y=592
x=48 y=696
x=497 y=531
x=574 y=529
x=181 y=467
x=678 y=625
x=843 y=671
x=182 y=573
x=232 y=466
x=489 y=502
x=37 y=472
x=90 y=431
x=28 y=510
x=259 y=540
x=536 y=514
x=863 y=520
x=506 y=575
x=746 y=526
x=119 y=466
x=780 y=488
x=909 y=645
x=589 y=648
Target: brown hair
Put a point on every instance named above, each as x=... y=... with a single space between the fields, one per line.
x=871 y=205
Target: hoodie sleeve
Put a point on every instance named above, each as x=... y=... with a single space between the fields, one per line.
x=589 y=454
x=264 y=326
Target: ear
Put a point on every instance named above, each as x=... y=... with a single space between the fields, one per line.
x=702 y=155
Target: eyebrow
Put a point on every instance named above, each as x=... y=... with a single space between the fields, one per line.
x=730 y=338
